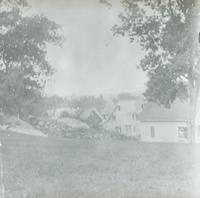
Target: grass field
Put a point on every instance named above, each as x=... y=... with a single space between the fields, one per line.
x=57 y=168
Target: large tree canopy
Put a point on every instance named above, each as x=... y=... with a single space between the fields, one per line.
x=168 y=32
x=23 y=65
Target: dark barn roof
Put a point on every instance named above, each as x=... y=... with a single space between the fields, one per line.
x=152 y=112
x=86 y=113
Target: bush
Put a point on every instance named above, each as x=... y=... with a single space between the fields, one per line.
x=65 y=114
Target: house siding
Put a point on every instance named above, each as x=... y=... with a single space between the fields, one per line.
x=124 y=120
x=164 y=131
x=123 y=124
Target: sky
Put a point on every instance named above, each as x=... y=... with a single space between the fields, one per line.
x=91 y=61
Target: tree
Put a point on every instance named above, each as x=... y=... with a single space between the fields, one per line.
x=24 y=69
x=54 y=102
x=13 y=3
x=126 y=96
x=168 y=32
x=85 y=102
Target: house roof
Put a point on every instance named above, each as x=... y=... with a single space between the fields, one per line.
x=152 y=112
x=133 y=106
x=128 y=106
x=86 y=113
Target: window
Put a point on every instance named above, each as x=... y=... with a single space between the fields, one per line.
x=118 y=108
x=152 y=131
x=128 y=128
x=134 y=130
x=118 y=129
x=182 y=132
x=134 y=116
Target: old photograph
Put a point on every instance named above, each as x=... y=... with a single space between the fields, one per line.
x=99 y=99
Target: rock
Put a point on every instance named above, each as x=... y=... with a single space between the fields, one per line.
x=41 y=123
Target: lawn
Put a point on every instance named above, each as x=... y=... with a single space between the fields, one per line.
x=72 y=168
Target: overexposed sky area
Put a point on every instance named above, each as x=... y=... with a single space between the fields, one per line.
x=91 y=60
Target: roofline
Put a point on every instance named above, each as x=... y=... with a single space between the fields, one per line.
x=98 y=114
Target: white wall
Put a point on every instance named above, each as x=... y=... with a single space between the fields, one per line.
x=164 y=131
x=123 y=120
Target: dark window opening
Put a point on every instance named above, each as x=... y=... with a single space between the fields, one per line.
x=118 y=129
x=118 y=108
x=152 y=131
x=182 y=132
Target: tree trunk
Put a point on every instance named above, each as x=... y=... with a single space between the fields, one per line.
x=192 y=119
x=193 y=103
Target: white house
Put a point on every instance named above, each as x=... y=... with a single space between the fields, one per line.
x=123 y=118
x=160 y=124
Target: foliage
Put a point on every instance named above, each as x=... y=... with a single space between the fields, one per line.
x=107 y=3
x=23 y=65
x=168 y=32
x=85 y=102
x=65 y=114
x=14 y=3
x=54 y=102
x=126 y=96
